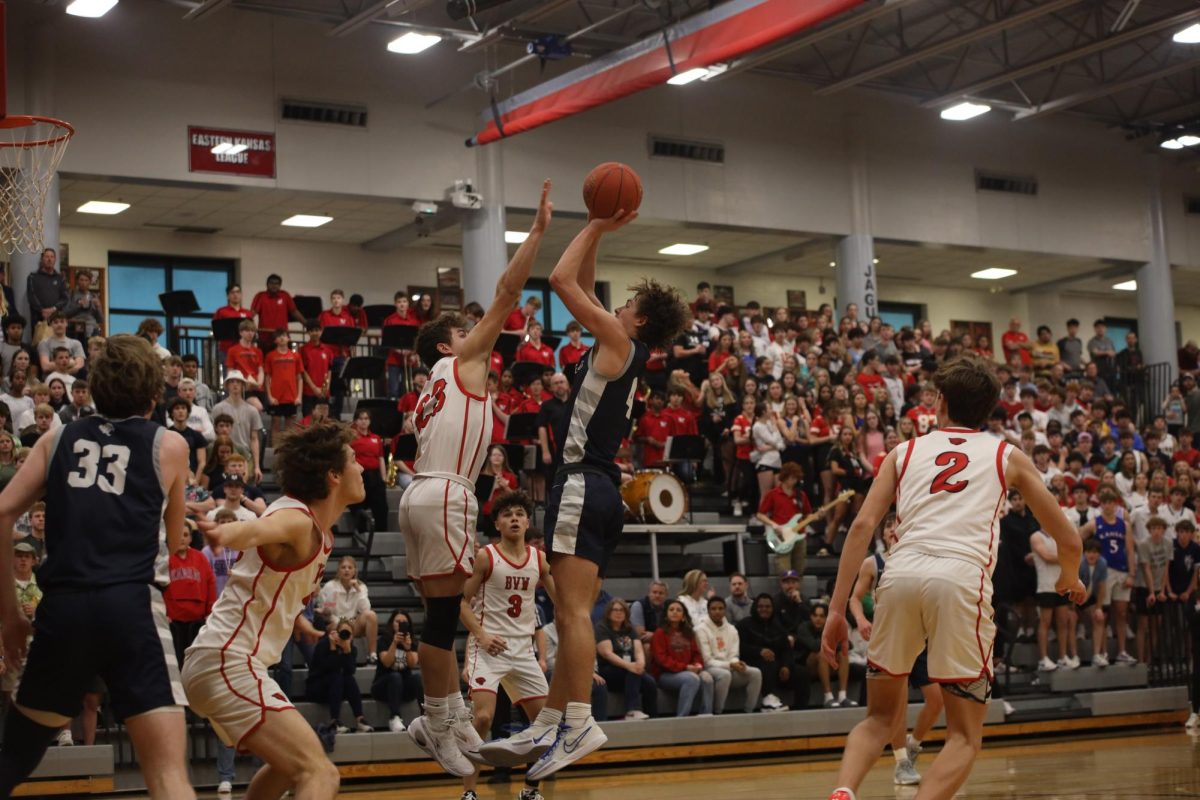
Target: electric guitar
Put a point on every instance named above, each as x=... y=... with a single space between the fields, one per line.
x=794 y=529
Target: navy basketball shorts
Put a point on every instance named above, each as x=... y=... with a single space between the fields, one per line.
x=584 y=517
x=919 y=677
x=118 y=633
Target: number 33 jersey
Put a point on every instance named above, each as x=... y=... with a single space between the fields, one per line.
x=104 y=504
x=950 y=488
x=453 y=426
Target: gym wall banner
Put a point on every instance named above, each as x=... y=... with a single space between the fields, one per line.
x=231 y=152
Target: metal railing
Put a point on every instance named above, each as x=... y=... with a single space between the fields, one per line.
x=1145 y=391
x=1171 y=644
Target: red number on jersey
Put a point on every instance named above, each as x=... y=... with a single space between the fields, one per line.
x=431 y=404
x=514 y=606
x=954 y=463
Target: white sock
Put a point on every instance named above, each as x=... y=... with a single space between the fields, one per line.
x=456 y=704
x=577 y=714
x=828 y=696
x=901 y=754
x=916 y=742
x=437 y=708
x=841 y=696
x=548 y=717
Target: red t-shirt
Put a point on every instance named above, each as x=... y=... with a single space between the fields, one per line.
x=742 y=426
x=247 y=359
x=1010 y=341
x=571 y=354
x=717 y=359
x=515 y=321
x=683 y=421
x=657 y=362
x=780 y=506
x=924 y=418
x=538 y=354
x=818 y=427
x=1191 y=456
x=408 y=402
x=229 y=312
x=344 y=319
x=315 y=360
x=869 y=382
x=395 y=358
x=1012 y=408
x=657 y=427
x=505 y=482
x=496 y=363
x=368 y=450
x=273 y=312
x=284 y=371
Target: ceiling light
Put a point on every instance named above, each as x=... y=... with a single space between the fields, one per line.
x=416 y=298
x=833 y=263
x=1189 y=35
x=964 y=111
x=1126 y=286
x=684 y=78
x=306 y=221
x=683 y=249
x=874 y=260
x=412 y=43
x=1188 y=140
x=515 y=237
x=90 y=8
x=102 y=207
x=1172 y=144
x=993 y=273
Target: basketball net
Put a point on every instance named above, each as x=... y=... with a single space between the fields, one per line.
x=31 y=149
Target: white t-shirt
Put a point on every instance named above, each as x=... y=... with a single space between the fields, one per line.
x=243 y=513
x=1047 y=572
x=68 y=380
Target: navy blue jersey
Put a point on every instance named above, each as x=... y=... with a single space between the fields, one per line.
x=600 y=412
x=1112 y=543
x=104 y=504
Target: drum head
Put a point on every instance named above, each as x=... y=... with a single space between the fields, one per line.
x=667 y=500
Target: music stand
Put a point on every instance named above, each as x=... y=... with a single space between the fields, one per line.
x=404 y=448
x=179 y=304
x=226 y=330
x=508 y=343
x=525 y=371
x=684 y=448
x=515 y=453
x=362 y=368
x=399 y=337
x=377 y=313
x=386 y=419
x=308 y=306
x=484 y=485
x=552 y=342
x=339 y=336
x=522 y=426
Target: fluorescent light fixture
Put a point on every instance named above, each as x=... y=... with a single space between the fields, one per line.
x=1126 y=286
x=102 y=207
x=1188 y=140
x=683 y=249
x=1172 y=144
x=306 y=221
x=90 y=8
x=515 y=237
x=685 y=78
x=1189 y=35
x=993 y=273
x=412 y=43
x=965 y=110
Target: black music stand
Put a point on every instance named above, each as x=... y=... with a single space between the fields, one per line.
x=507 y=345
x=484 y=485
x=525 y=371
x=552 y=342
x=339 y=336
x=404 y=448
x=684 y=448
x=377 y=313
x=399 y=337
x=226 y=330
x=515 y=453
x=308 y=306
x=179 y=304
x=362 y=368
x=522 y=426
x=386 y=419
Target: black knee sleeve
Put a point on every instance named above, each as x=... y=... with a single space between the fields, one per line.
x=441 y=621
x=25 y=742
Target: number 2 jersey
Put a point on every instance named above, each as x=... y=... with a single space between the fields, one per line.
x=104 y=505
x=950 y=487
x=454 y=427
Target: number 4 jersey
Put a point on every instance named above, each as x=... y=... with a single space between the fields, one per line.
x=454 y=427
x=104 y=504
x=950 y=488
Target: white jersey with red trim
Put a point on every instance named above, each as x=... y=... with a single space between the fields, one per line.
x=505 y=601
x=454 y=427
x=256 y=611
x=950 y=487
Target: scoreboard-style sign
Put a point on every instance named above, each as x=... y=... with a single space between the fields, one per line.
x=231 y=152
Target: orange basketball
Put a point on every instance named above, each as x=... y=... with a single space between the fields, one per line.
x=611 y=187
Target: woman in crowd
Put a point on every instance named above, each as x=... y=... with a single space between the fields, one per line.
x=723 y=360
x=504 y=481
x=397 y=677
x=717 y=410
x=58 y=394
x=8 y=458
x=848 y=472
x=621 y=661
x=795 y=432
x=368 y=450
x=743 y=487
x=768 y=444
x=214 y=473
x=678 y=664
x=694 y=595
x=871 y=441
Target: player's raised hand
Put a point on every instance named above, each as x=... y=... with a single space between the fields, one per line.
x=545 y=210
x=615 y=222
x=835 y=637
x=1072 y=587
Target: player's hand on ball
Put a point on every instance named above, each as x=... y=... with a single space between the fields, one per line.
x=615 y=222
x=545 y=210
x=1072 y=587
x=836 y=635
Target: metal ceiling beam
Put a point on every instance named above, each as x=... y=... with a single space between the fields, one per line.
x=1106 y=272
x=205 y=8
x=1063 y=57
x=948 y=44
x=362 y=18
x=1105 y=90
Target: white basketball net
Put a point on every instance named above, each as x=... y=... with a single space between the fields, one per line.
x=30 y=153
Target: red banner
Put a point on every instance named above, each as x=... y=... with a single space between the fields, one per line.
x=231 y=152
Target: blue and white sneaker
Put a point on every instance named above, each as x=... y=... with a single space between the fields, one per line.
x=571 y=745
x=520 y=748
x=441 y=743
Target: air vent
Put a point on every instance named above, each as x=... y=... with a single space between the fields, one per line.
x=708 y=152
x=999 y=182
x=1191 y=204
x=350 y=116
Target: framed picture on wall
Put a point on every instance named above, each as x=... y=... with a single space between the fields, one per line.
x=95 y=288
x=450 y=299
x=958 y=327
x=797 y=299
x=449 y=278
x=723 y=295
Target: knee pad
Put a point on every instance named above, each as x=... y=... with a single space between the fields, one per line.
x=25 y=742
x=441 y=621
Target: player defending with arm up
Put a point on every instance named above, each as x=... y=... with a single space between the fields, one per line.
x=584 y=512
x=948 y=486
x=453 y=420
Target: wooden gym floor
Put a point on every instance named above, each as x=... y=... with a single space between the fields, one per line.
x=1139 y=766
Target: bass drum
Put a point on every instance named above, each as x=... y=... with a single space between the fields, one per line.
x=655 y=496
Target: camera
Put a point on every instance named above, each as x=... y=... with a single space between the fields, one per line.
x=344 y=634
x=405 y=627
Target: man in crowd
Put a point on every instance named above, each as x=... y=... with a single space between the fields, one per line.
x=46 y=288
x=246 y=420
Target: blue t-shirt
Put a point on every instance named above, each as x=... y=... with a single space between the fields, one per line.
x=1112 y=543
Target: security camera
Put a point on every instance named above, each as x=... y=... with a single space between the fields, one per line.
x=425 y=207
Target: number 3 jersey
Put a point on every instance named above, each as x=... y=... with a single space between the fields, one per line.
x=104 y=504
x=454 y=427
x=505 y=604
x=950 y=488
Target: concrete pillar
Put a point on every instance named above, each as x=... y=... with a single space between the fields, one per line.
x=484 y=252
x=1155 y=295
x=855 y=257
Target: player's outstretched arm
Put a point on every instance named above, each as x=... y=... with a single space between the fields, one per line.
x=481 y=340
x=879 y=500
x=26 y=487
x=1025 y=478
x=290 y=527
x=173 y=456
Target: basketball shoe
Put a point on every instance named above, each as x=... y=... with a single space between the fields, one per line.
x=442 y=745
x=572 y=744
x=843 y=794
x=520 y=748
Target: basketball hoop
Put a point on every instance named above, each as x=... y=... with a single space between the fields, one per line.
x=31 y=149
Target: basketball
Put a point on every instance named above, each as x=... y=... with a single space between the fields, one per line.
x=611 y=187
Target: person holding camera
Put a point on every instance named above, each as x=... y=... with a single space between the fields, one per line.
x=344 y=599
x=397 y=679
x=331 y=676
